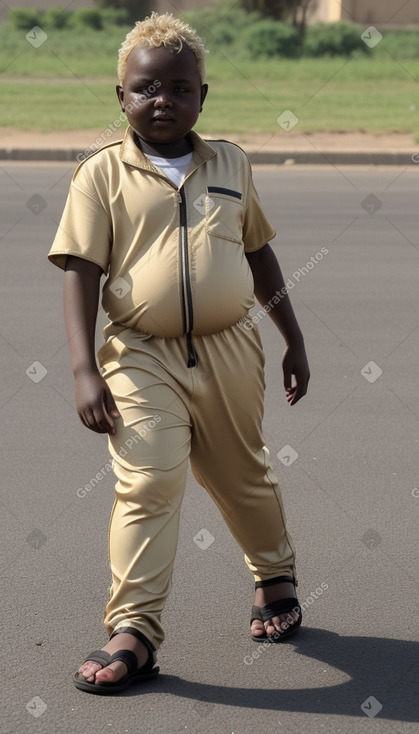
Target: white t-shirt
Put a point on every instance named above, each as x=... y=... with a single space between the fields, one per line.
x=173 y=168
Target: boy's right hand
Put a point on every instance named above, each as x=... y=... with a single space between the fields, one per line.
x=95 y=404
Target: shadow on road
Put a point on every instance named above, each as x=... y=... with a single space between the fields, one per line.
x=383 y=668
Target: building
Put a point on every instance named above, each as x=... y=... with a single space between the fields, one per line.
x=366 y=12
x=370 y=12
x=146 y=6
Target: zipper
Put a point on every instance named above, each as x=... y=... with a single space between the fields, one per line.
x=185 y=280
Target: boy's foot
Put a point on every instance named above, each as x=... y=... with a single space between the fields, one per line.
x=113 y=672
x=267 y=595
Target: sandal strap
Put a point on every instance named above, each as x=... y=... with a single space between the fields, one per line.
x=281 y=606
x=140 y=636
x=272 y=582
x=255 y=614
x=128 y=657
x=99 y=656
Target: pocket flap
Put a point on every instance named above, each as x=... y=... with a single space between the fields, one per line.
x=224 y=191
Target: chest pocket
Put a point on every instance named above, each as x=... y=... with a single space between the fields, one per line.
x=224 y=213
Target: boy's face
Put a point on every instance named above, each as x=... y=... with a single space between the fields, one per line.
x=168 y=113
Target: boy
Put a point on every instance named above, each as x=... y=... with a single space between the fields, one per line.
x=177 y=226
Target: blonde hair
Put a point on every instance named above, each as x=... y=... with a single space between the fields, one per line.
x=162 y=30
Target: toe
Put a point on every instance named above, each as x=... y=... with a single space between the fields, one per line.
x=112 y=673
x=89 y=666
x=270 y=627
x=275 y=625
x=257 y=629
x=88 y=670
x=284 y=621
x=290 y=618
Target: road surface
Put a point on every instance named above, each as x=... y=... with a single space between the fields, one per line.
x=346 y=457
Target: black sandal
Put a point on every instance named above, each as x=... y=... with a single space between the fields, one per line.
x=274 y=609
x=134 y=674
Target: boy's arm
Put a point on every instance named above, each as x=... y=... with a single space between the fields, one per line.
x=94 y=402
x=268 y=280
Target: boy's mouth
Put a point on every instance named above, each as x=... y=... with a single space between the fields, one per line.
x=162 y=118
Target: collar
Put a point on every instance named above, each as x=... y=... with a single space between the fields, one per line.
x=130 y=153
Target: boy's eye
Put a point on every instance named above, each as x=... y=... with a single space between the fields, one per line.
x=151 y=91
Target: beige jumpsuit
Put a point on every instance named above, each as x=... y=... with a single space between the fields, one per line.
x=183 y=366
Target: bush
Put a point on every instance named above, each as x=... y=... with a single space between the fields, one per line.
x=87 y=18
x=334 y=39
x=24 y=18
x=56 y=18
x=401 y=44
x=134 y=9
x=219 y=25
x=273 y=38
x=224 y=34
x=114 y=16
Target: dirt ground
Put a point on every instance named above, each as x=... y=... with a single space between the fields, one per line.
x=280 y=141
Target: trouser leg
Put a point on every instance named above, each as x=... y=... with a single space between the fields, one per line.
x=228 y=454
x=150 y=452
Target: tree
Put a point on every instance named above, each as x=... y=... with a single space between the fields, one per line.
x=135 y=9
x=291 y=11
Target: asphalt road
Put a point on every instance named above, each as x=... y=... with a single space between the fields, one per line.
x=346 y=456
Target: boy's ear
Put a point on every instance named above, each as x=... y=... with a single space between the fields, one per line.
x=120 y=94
x=204 y=92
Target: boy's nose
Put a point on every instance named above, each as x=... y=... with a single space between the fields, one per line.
x=163 y=100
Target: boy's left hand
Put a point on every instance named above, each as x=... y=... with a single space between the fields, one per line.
x=295 y=364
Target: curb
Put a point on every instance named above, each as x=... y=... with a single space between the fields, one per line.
x=262 y=158
x=362 y=158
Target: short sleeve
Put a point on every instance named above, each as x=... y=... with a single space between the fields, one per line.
x=85 y=227
x=257 y=231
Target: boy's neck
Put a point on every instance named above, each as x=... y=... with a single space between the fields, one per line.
x=164 y=150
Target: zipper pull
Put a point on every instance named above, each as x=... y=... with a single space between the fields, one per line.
x=192 y=355
x=178 y=197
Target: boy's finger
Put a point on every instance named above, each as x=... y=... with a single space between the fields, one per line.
x=111 y=406
x=291 y=396
x=93 y=421
x=287 y=379
x=295 y=398
x=300 y=390
x=101 y=420
x=110 y=425
x=110 y=411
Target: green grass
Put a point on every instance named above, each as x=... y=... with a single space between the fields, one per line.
x=68 y=84
x=64 y=53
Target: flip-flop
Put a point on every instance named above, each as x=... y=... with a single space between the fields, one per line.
x=134 y=674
